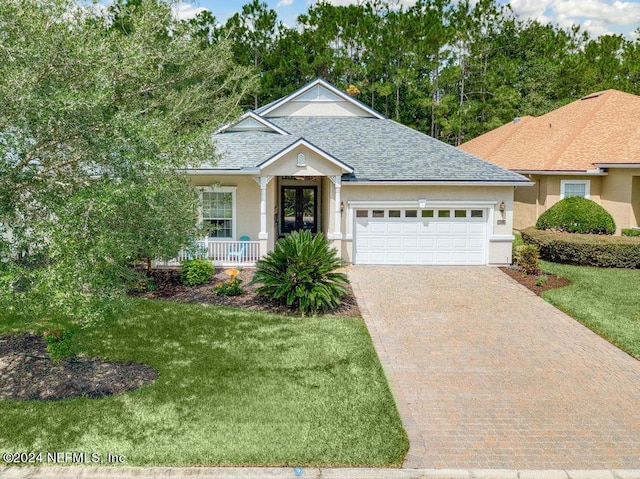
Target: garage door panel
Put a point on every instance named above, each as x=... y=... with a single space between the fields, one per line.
x=394 y=242
x=460 y=228
x=411 y=243
x=428 y=242
x=378 y=242
x=443 y=228
x=377 y=228
x=442 y=241
x=475 y=258
x=411 y=227
x=394 y=228
x=459 y=243
x=477 y=228
x=428 y=227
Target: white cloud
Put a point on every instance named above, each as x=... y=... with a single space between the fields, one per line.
x=406 y=3
x=185 y=11
x=284 y=3
x=623 y=13
x=596 y=16
x=596 y=27
x=534 y=9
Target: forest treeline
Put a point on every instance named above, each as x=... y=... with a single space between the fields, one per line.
x=453 y=70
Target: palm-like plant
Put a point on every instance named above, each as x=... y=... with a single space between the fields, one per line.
x=301 y=273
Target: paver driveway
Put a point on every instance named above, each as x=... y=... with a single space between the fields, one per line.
x=488 y=375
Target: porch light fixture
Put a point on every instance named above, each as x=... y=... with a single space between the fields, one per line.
x=502 y=207
x=342 y=206
x=301 y=161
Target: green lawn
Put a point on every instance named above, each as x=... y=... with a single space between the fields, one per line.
x=606 y=300
x=234 y=388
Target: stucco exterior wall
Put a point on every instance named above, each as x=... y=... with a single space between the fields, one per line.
x=526 y=207
x=247 y=202
x=617 y=196
x=531 y=202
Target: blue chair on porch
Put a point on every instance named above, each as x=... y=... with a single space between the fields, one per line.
x=237 y=252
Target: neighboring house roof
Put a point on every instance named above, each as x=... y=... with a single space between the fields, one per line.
x=374 y=147
x=601 y=128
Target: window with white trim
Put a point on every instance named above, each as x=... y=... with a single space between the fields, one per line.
x=570 y=188
x=218 y=212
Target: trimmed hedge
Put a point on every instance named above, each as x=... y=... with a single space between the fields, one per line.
x=630 y=231
x=585 y=250
x=577 y=215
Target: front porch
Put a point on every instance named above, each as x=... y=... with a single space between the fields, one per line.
x=238 y=254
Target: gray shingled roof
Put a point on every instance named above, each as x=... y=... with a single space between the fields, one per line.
x=377 y=149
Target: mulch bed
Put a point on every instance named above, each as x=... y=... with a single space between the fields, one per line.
x=26 y=372
x=529 y=280
x=168 y=285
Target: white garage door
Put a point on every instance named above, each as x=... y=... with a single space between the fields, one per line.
x=447 y=236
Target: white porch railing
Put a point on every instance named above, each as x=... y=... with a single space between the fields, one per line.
x=221 y=253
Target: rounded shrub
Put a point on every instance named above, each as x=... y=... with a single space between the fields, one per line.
x=527 y=256
x=577 y=215
x=300 y=273
x=196 y=271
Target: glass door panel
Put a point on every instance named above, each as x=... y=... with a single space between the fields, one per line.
x=299 y=208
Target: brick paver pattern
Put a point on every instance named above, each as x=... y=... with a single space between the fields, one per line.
x=488 y=375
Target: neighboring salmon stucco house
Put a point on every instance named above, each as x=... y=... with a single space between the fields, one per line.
x=589 y=148
x=381 y=192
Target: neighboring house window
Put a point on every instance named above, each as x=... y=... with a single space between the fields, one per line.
x=574 y=188
x=218 y=212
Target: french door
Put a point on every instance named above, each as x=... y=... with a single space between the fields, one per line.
x=298 y=208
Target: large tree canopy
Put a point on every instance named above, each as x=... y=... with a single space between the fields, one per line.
x=100 y=111
x=453 y=69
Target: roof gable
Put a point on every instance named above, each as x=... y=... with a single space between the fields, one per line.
x=318 y=99
x=599 y=128
x=304 y=159
x=251 y=121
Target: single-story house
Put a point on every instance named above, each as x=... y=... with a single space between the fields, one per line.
x=588 y=148
x=380 y=192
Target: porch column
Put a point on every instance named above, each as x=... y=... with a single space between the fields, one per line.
x=335 y=236
x=337 y=216
x=263 y=235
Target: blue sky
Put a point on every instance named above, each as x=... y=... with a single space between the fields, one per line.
x=597 y=16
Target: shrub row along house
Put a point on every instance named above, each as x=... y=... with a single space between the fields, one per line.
x=380 y=192
x=588 y=148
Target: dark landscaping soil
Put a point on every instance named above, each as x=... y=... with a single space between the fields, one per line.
x=26 y=372
x=529 y=280
x=168 y=285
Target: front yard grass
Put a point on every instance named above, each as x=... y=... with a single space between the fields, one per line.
x=234 y=387
x=606 y=300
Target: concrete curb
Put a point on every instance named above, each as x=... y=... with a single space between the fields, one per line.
x=66 y=472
